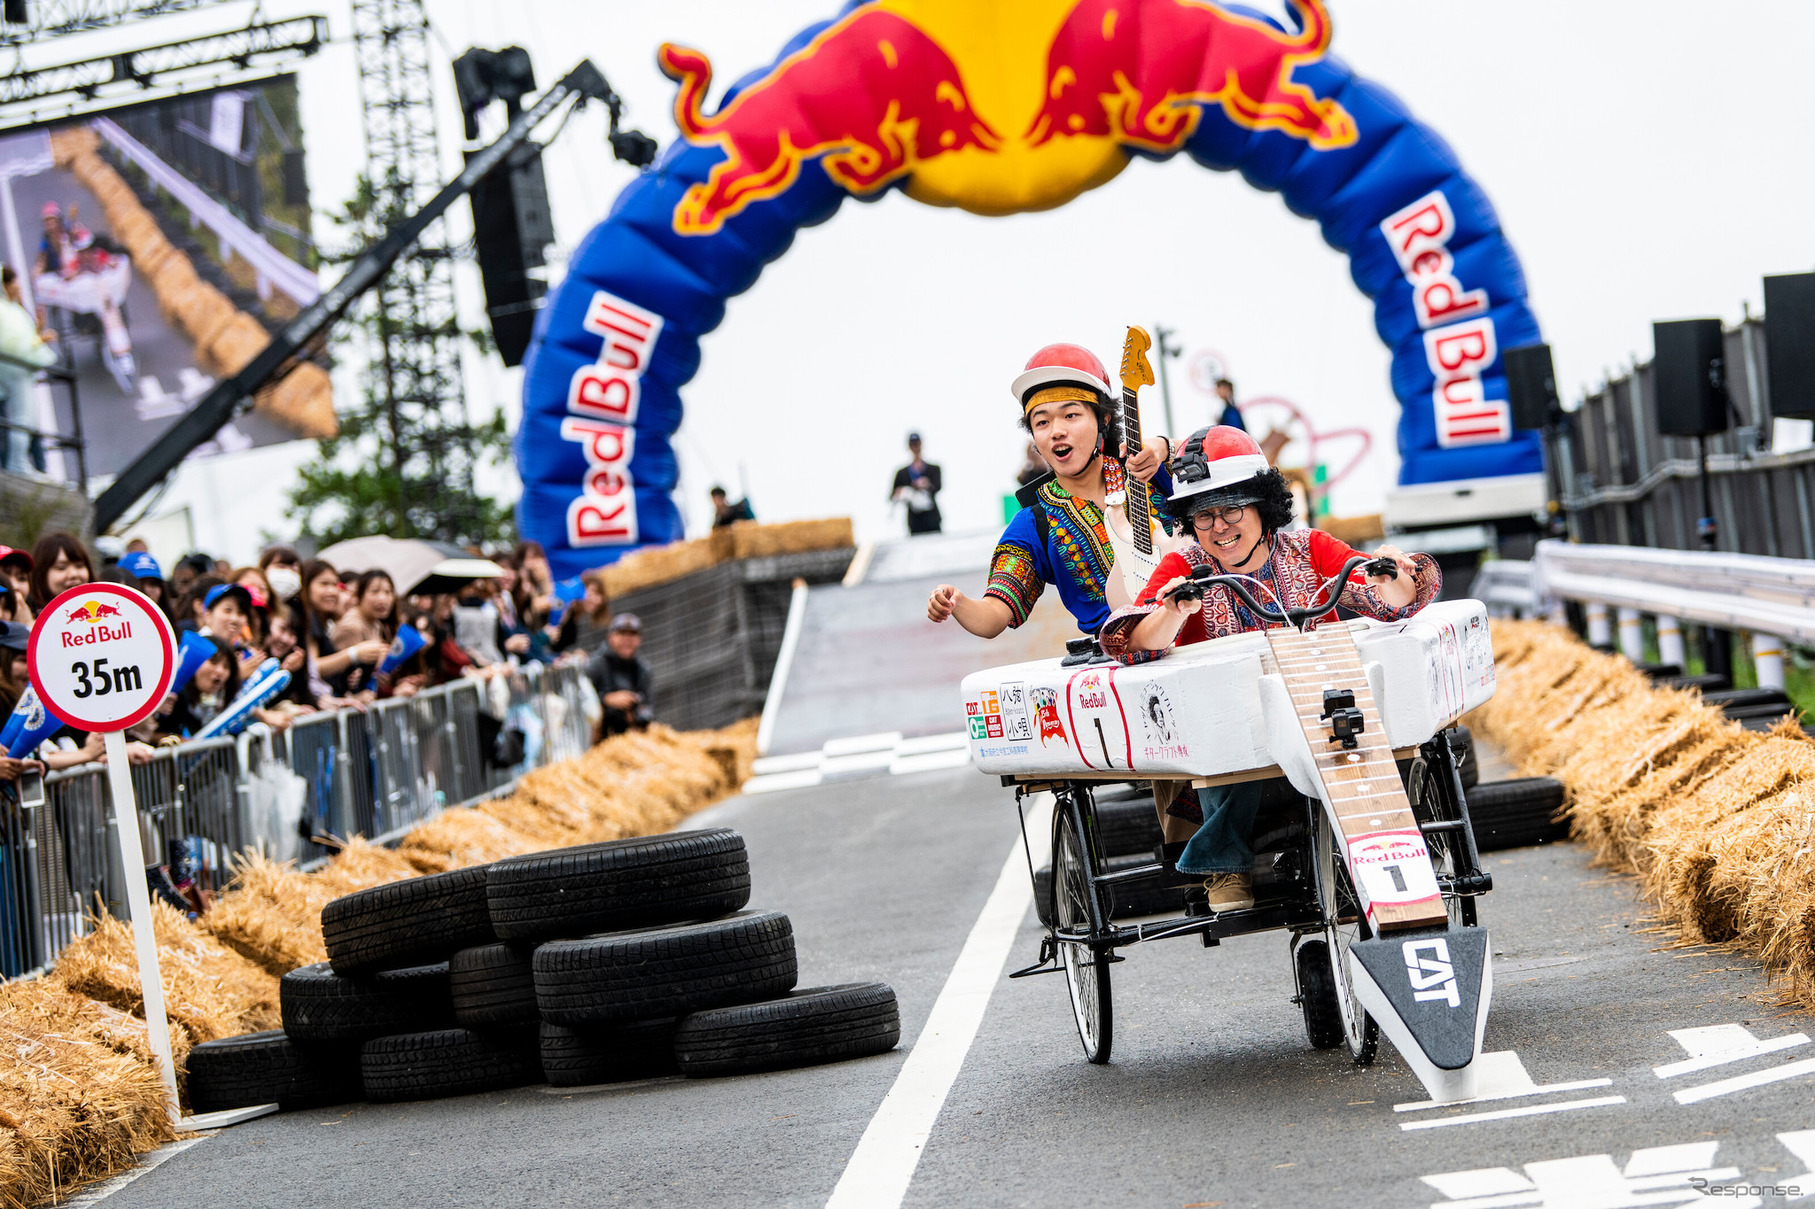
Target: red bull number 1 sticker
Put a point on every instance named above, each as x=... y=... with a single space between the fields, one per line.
x=101 y=656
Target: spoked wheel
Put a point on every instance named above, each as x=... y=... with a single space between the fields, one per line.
x=1077 y=908
x=1449 y=852
x=1317 y=994
x=1346 y=925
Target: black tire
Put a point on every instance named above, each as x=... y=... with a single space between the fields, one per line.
x=666 y=971
x=610 y=1053
x=422 y=919
x=446 y=1062
x=321 y=1006
x=1517 y=813
x=1708 y=682
x=265 y=1068
x=1043 y=894
x=492 y=985
x=1128 y=826
x=1466 y=766
x=1729 y=700
x=1317 y=995
x=822 y=1024
x=634 y=883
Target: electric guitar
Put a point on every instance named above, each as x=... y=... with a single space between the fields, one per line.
x=1139 y=543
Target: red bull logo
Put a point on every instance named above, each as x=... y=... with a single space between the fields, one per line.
x=873 y=94
x=1139 y=72
x=91 y=611
x=881 y=98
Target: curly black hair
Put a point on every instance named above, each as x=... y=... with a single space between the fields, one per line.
x=1268 y=492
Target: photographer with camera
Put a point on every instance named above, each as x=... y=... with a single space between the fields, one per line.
x=624 y=682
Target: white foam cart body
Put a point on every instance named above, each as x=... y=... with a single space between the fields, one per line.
x=1250 y=707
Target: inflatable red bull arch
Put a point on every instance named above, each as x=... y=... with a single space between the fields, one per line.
x=1002 y=108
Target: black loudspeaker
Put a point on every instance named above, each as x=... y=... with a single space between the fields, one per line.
x=1790 y=344
x=1689 y=378
x=1531 y=384
x=512 y=229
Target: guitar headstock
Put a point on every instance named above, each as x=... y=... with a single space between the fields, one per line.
x=1136 y=372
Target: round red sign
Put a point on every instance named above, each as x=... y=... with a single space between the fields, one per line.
x=101 y=656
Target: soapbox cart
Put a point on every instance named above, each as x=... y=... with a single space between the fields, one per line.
x=1364 y=852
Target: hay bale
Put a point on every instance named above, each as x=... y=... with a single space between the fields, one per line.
x=80 y=1094
x=455 y=839
x=1355 y=530
x=657 y=565
x=70 y=141
x=209 y=989
x=303 y=400
x=232 y=348
x=271 y=914
x=750 y=539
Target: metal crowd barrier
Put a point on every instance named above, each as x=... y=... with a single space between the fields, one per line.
x=375 y=772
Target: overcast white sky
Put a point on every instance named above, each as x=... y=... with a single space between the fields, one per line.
x=1647 y=159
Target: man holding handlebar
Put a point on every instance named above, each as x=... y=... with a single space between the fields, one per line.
x=1237 y=508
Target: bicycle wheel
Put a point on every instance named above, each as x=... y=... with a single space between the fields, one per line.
x=1344 y=925
x=1077 y=908
x=1449 y=853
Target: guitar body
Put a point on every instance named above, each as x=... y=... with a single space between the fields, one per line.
x=1134 y=567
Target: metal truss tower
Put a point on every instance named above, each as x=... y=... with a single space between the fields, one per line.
x=414 y=371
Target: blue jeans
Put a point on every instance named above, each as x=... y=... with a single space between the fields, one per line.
x=1222 y=845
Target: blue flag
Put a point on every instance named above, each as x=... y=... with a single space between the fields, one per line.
x=34 y=724
x=409 y=640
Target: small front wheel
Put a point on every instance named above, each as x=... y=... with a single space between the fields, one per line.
x=1317 y=995
x=1077 y=908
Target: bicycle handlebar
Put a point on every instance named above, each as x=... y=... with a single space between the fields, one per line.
x=1202 y=577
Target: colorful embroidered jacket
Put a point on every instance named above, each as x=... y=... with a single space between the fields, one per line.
x=1301 y=560
x=1075 y=556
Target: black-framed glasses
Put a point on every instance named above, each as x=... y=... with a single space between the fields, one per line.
x=1229 y=514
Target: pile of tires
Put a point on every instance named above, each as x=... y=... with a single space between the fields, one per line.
x=623 y=960
x=1517 y=813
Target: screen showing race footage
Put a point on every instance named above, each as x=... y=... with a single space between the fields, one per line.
x=157 y=247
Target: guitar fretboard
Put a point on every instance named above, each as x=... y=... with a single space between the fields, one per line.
x=1140 y=517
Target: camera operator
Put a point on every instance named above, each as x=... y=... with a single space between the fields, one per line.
x=624 y=682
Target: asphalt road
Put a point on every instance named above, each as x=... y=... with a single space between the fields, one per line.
x=1213 y=1096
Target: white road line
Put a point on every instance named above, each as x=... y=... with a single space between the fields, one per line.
x=1503 y=1114
x=882 y=1167
x=100 y=1192
x=1726 y=1087
x=1723 y=1057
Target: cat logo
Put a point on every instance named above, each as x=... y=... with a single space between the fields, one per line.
x=1432 y=978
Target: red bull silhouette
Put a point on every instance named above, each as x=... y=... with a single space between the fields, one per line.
x=872 y=93
x=104 y=610
x=1138 y=70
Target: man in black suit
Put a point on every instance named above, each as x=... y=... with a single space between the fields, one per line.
x=917 y=485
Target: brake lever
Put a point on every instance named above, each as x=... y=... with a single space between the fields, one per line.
x=1381 y=566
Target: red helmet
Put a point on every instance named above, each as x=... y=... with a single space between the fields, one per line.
x=1218 y=459
x=1058 y=364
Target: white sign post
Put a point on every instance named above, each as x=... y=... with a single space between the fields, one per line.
x=101 y=657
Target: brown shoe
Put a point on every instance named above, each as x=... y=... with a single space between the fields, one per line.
x=1229 y=891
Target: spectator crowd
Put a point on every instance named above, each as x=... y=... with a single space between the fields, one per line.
x=331 y=628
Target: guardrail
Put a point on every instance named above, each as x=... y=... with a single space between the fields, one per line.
x=375 y=772
x=1771 y=599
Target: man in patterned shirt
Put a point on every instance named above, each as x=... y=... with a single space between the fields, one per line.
x=1058 y=537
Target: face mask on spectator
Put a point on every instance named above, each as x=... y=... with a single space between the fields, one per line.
x=285 y=582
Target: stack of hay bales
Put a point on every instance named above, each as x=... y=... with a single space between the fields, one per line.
x=80 y=1093
x=1717 y=821
x=226 y=338
x=658 y=565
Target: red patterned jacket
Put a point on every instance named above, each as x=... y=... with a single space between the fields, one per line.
x=1301 y=560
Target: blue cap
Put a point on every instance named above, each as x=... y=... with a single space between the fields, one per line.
x=13 y=636
x=142 y=565
x=219 y=590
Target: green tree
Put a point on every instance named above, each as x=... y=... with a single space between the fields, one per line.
x=402 y=463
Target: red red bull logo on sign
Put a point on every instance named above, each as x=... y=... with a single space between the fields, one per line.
x=873 y=94
x=91 y=611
